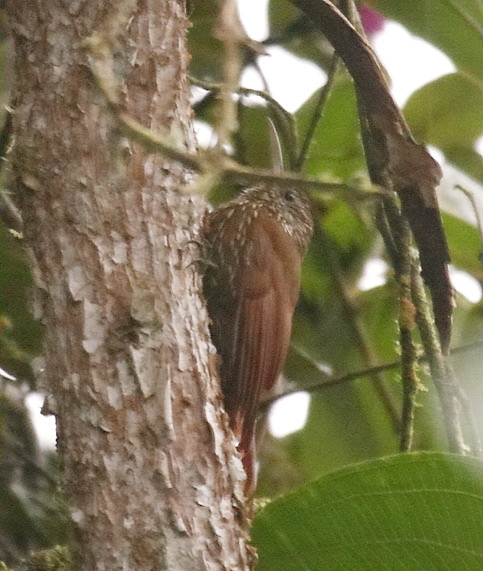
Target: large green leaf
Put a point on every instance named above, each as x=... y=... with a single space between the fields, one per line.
x=447 y=113
x=455 y=26
x=409 y=512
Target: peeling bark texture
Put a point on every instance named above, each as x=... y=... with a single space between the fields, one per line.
x=151 y=472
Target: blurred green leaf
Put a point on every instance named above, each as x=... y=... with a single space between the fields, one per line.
x=336 y=150
x=464 y=245
x=253 y=137
x=19 y=332
x=468 y=365
x=447 y=113
x=403 y=513
x=255 y=142
x=454 y=26
x=205 y=50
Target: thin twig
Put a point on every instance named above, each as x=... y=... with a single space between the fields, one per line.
x=230 y=32
x=9 y=213
x=155 y=143
x=407 y=315
x=237 y=174
x=216 y=165
x=317 y=115
x=396 y=234
x=233 y=173
x=354 y=376
x=216 y=87
x=283 y=120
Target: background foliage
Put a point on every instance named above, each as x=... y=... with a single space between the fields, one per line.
x=338 y=327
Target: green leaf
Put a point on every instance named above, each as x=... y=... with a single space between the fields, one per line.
x=253 y=137
x=464 y=245
x=408 y=512
x=336 y=149
x=255 y=145
x=446 y=113
x=205 y=49
x=454 y=26
x=19 y=332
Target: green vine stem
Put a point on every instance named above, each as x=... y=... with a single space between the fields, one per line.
x=451 y=395
x=397 y=237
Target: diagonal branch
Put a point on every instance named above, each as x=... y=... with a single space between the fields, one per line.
x=395 y=161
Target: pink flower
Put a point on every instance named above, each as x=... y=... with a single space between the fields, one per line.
x=371 y=20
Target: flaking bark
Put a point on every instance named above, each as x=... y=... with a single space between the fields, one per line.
x=151 y=473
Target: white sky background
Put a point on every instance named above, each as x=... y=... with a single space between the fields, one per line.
x=410 y=61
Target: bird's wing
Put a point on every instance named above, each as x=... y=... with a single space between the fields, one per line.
x=258 y=336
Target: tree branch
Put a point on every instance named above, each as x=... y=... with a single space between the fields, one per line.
x=395 y=161
x=349 y=377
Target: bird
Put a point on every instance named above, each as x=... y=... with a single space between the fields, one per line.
x=253 y=248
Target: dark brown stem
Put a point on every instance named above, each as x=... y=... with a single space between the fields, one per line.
x=394 y=159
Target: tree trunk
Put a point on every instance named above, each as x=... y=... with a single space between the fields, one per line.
x=151 y=472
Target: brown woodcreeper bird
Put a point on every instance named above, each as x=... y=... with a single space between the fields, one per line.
x=254 y=247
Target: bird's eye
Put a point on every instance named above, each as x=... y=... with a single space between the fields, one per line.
x=289 y=196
